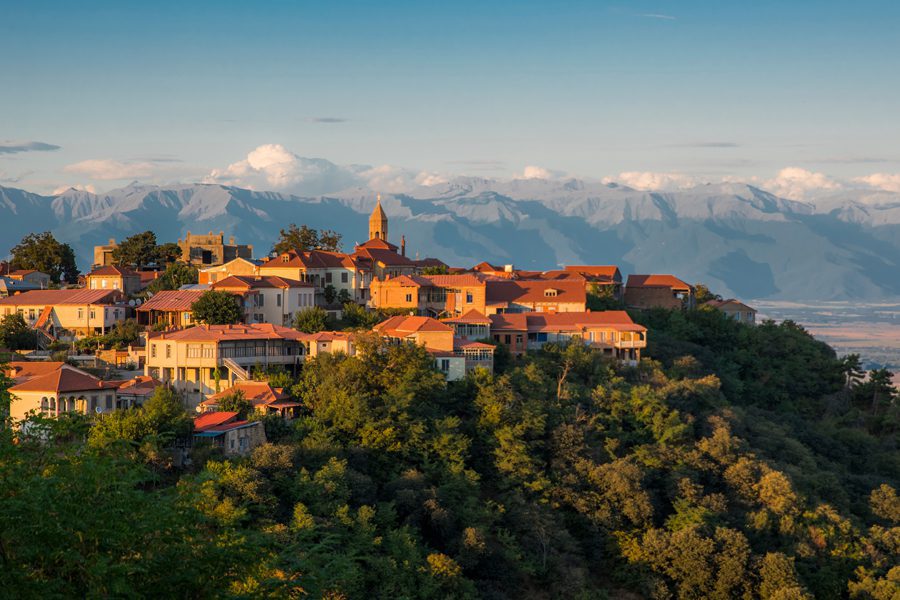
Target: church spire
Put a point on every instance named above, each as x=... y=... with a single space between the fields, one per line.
x=378 y=222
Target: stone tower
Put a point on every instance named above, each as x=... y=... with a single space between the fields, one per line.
x=378 y=223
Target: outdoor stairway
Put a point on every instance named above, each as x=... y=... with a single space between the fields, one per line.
x=239 y=371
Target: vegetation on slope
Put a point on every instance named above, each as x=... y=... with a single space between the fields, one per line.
x=736 y=462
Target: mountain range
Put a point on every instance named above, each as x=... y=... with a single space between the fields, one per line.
x=738 y=239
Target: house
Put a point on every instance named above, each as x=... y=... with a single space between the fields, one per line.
x=264 y=398
x=321 y=268
x=56 y=388
x=134 y=392
x=381 y=259
x=225 y=431
x=208 y=250
x=103 y=254
x=268 y=298
x=453 y=356
x=207 y=359
x=10 y=286
x=658 y=291
x=611 y=331
x=42 y=280
x=238 y=266
x=112 y=277
x=471 y=325
x=327 y=342
x=79 y=312
x=430 y=295
x=734 y=309
x=598 y=279
x=169 y=309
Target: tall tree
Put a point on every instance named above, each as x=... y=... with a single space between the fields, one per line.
x=15 y=333
x=311 y=320
x=42 y=252
x=217 y=308
x=305 y=238
x=168 y=253
x=176 y=275
x=136 y=251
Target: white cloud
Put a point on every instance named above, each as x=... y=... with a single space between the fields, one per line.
x=882 y=181
x=104 y=169
x=274 y=167
x=536 y=172
x=797 y=183
x=651 y=181
x=80 y=187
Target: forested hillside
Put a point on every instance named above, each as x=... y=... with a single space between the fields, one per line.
x=736 y=462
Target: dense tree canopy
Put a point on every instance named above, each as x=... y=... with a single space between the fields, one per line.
x=141 y=250
x=176 y=275
x=735 y=462
x=15 y=334
x=42 y=252
x=305 y=238
x=217 y=308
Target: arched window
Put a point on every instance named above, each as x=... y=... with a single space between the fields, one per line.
x=44 y=403
x=52 y=403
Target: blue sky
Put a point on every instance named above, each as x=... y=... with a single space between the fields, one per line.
x=163 y=91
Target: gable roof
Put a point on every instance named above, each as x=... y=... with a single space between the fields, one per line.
x=377 y=244
x=566 y=291
x=112 y=270
x=610 y=272
x=383 y=255
x=470 y=316
x=171 y=301
x=213 y=419
x=663 y=281
x=312 y=259
x=564 y=321
x=22 y=370
x=257 y=392
x=729 y=302
x=70 y=296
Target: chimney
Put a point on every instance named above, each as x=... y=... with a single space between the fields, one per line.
x=508 y=268
x=112 y=241
x=403 y=245
x=231 y=241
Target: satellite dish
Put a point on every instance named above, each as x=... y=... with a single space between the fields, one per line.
x=98 y=410
x=131 y=303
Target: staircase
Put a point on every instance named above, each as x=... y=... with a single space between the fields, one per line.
x=239 y=371
x=42 y=327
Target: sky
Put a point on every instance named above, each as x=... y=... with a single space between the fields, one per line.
x=97 y=94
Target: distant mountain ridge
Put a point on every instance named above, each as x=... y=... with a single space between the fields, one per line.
x=737 y=238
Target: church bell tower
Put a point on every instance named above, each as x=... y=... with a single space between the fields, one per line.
x=378 y=223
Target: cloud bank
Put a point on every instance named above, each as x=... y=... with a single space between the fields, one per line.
x=9 y=147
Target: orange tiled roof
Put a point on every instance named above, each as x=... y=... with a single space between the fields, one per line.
x=113 y=270
x=376 y=243
x=567 y=291
x=604 y=271
x=247 y=282
x=665 y=281
x=470 y=345
x=383 y=255
x=402 y=326
x=22 y=370
x=257 y=392
x=63 y=380
x=729 y=301
x=71 y=296
x=171 y=301
x=313 y=259
x=564 y=321
x=224 y=333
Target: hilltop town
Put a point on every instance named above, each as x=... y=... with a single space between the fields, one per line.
x=203 y=317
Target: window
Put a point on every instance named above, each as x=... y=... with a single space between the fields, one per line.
x=168 y=350
x=93 y=314
x=345 y=277
x=550 y=293
x=285 y=258
x=409 y=297
x=31 y=314
x=469 y=298
x=80 y=313
x=445 y=365
x=152 y=350
x=109 y=401
x=278 y=299
x=103 y=283
x=328 y=277
x=507 y=339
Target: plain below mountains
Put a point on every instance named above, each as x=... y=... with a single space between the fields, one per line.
x=739 y=240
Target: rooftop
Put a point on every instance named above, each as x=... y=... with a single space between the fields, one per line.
x=225 y=333
x=70 y=296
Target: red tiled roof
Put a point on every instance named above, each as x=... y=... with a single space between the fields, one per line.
x=113 y=270
x=22 y=370
x=402 y=326
x=227 y=426
x=65 y=379
x=257 y=392
x=534 y=291
x=246 y=282
x=313 y=259
x=603 y=271
x=564 y=321
x=665 y=281
x=329 y=336
x=142 y=385
x=171 y=301
x=470 y=316
x=376 y=243
x=224 y=333
x=72 y=296
x=462 y=280
x=470 y=344
x=206 y=421
x=384 y=256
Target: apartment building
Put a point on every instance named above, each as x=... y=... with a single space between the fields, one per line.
x=238 y=266
x=269 y=298
x=658 y=291
x=112 y=277
x=321 y=269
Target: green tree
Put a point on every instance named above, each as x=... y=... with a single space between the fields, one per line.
x=217 y=308
x=176 y=275
x=311 y=320
x=329 y=240
x=436 y=270
x=15 y=334
x=703 y=294
x=136 y=251
x=330 y=294
x=42 y=252
x=305 y=238
x=237 y=402
x=167 y=253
